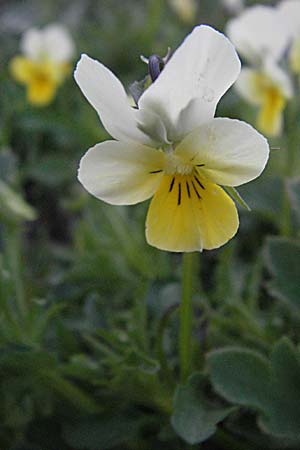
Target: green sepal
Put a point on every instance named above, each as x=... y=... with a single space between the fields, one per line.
x=237 y=197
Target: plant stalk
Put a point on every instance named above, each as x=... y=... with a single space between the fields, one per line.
x=186 y=317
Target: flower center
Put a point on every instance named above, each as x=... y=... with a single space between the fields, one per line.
x=176 y=165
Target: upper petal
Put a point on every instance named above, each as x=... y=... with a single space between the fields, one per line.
x=231 y=151
x=290 y=15
x=197 y=75
x=58 y=43
x=32 y=43
x=107 y=95
x=120 y=173
x=259 y=33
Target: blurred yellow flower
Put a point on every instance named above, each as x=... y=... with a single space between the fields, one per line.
x=185 y=9
x=44 y=63
x=172 y=148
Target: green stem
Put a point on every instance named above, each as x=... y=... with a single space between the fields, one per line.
x=290 y=166
x=186 y=317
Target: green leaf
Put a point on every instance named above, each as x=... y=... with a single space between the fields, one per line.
x=12 y=206
x=282 y=417
x=195 y=417
x=138 y=360
x=282 y=257
x=271 y=387
x=241 y=376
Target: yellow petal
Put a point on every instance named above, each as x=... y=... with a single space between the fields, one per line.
x=188 y=214
x=269 y=119
x=21 y=69
x=41 y=91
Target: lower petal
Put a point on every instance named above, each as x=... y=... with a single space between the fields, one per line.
x=188 y=214
x=41 y=92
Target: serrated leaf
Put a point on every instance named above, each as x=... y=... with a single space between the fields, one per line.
x=195 y=418
x=282 y=257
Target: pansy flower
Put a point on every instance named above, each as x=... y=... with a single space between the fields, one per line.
x=264 y=83
x=171 y=148
x=44 y=62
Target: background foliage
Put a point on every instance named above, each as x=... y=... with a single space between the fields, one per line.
x=89 y=312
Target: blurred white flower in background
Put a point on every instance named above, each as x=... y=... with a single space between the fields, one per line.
x=44 y=62
x=261 y=37
x=185 y=9
x=290 y=15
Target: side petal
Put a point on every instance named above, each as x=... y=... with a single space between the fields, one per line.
x=198 y=74
x=107 y=95
x=41 y=92
x=121 y=173
x=230 y=152
x=21 y=69
x=183 y=217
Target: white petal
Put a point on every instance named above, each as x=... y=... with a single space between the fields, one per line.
x=259 y=33
x=107 y=95
x=58 y=43
x=232 y=152
x=290 y=15
x=120 y=173
x=197 y=75
x=32 y=43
